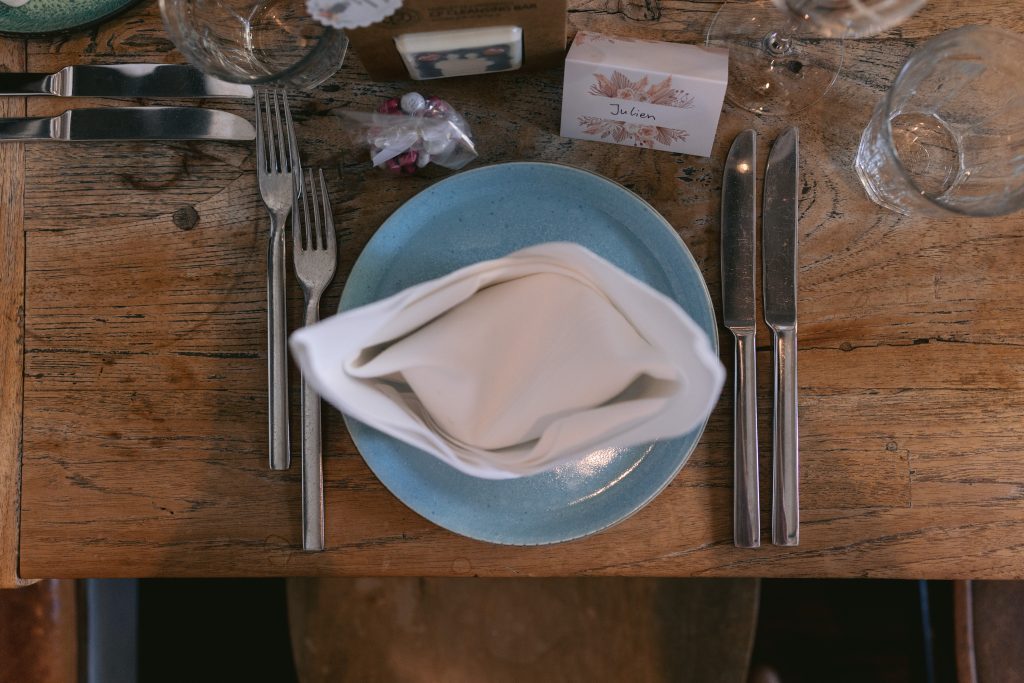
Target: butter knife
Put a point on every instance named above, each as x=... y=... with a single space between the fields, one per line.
x=779 y=243
x=122 y=80
x=739 y=221
x=130 y=123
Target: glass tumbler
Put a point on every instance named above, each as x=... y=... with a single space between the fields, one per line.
x=949 y=135
x=255 y=41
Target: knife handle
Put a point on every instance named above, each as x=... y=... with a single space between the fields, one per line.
x=35 y=128
x=786 y=442
x=25 y=84
x=746 y=498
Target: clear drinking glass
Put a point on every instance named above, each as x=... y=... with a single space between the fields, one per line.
x=785 y=54
x=949 y=135
x=255 y=41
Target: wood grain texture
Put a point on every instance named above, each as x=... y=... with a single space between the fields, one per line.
x=145 y=397
x=12 y=309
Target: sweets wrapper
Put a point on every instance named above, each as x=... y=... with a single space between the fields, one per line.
x=407 y=134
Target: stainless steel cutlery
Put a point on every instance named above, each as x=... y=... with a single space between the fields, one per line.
x=315 y=253
x=779 y=262
x=739 y=226
x=279 y=172
x=779 y=239
x=122 y=80
x=281 y=185
x=126 y=123
x=130 y=123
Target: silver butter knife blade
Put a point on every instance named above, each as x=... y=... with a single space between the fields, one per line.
x=779 y=243
x=131 y=123
x=739 y=221
x=779 y=228
x=123 y=80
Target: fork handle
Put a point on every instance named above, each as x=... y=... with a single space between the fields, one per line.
x=277 y=357
x=312 y=456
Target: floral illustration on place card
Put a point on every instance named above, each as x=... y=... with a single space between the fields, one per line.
x=631 y=133
x=621 y=87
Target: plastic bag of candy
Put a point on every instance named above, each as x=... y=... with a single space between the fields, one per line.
x=407 y=133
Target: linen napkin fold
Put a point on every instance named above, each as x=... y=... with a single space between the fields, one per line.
x=511 y=367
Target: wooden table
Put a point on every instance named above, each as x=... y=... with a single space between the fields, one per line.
x=134 y=381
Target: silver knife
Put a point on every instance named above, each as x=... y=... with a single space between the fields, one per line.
x=130 y=123
x=739 y=222
x=779 y=240
x=123 y=80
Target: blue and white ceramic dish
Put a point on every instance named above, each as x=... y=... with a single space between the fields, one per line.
x=38 y=17
x=487 y=213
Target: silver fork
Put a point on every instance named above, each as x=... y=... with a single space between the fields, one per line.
x=279 y=168
x=315 y=252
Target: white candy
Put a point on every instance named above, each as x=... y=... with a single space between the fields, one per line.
x=412 y=102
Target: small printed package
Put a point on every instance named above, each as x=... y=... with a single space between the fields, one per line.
x=642 y=93
x=427 y=39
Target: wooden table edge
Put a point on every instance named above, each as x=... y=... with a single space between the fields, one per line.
x=12 y=318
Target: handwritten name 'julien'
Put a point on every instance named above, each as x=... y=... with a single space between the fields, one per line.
x=632 y=111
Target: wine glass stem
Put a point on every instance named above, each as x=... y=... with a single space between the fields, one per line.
x=776 y=44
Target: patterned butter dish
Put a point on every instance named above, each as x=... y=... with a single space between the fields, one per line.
x=38 y=17
x=463 y=52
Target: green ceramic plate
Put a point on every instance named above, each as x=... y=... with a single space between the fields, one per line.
x=38 y=17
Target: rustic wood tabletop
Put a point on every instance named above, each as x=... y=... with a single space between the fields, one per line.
x=132 y=342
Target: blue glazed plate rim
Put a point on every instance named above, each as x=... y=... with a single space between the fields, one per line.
x=356 y=428
x=72 y=28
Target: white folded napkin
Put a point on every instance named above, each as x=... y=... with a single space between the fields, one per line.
x=514 y=366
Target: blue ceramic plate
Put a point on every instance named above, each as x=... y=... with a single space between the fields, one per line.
x=487 y=213
x=57 y=16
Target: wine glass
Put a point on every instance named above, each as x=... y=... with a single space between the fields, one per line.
x=785 y=54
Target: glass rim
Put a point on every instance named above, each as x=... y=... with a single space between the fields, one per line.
x=323 y=43
x=887 y=107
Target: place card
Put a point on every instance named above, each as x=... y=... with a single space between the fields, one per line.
x=642 y=93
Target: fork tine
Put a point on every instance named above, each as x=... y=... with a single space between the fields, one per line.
x=274 y=159
x=317 y=229
x=261 y=160
x=298 y=220
x=282 y=135
x=329 y=242
x=293 y=146
x=307 y=198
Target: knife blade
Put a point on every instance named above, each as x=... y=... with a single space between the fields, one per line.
x=122 y=80
x=739 y=222
x=130 y=123
x=779 y=225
